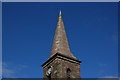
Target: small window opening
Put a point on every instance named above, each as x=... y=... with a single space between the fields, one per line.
x=68 y=73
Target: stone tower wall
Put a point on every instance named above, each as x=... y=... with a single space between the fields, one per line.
x=59 y=69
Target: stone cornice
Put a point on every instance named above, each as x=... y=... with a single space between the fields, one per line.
x=61 y=56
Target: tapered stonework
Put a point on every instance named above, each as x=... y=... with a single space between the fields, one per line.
x=61 y=63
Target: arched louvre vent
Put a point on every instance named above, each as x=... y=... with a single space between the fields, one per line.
x=68 y=71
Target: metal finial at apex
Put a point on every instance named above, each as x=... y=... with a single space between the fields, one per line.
x=60 y=12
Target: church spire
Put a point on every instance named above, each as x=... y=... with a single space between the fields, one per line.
x=60 y=43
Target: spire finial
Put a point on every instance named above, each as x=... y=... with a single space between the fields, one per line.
x=60 y=13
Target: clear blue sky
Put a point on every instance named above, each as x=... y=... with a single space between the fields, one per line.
x=28 y=31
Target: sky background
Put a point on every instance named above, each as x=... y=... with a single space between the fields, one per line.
x=28 y=31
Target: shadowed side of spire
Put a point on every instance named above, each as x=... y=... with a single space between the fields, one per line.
x=60 y=43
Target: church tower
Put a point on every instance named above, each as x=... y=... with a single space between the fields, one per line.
x=61 y=63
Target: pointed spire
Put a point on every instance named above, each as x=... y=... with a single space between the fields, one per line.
x=60 y=43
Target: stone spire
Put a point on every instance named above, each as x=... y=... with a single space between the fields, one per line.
x=60 y=43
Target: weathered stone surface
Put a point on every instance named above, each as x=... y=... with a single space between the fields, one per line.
x=60 y=67
x=60 y=43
